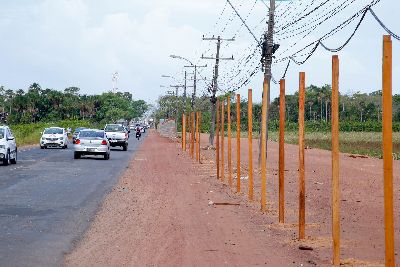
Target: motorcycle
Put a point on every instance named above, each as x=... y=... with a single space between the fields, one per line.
x=138 y=135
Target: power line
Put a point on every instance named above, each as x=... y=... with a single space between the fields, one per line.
x=397 y=37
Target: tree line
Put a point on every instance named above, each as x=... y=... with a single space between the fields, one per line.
x=358 y=111
x=48 y=105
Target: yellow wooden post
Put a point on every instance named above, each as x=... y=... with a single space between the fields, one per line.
x=302 y=190
x=335 y=162
x=238 y=143
x=217 y=140
x=388 y=149
x=192 y=136
x=264 y=147
x=189 y=128
x=228 y=104
x=197 y=138
x=183 y=132
x=250 y=137
x=282 y=109
x=222 y=140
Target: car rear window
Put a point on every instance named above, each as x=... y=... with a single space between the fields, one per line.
x=114 y=128
x=78 y=130
x=2 y=133
x=94 y=134
x=53 y=131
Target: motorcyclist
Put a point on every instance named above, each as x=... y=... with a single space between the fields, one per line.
x=138 y=133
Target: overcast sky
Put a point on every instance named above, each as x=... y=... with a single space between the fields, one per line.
x=63 y=43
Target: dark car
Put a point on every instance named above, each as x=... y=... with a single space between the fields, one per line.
x=76 y=133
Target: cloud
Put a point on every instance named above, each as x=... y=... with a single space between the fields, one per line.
x=62 y=43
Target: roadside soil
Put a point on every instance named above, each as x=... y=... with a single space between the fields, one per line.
x=168 y=210
x=361 y=186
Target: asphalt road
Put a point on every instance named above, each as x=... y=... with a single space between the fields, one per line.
x=48 y=199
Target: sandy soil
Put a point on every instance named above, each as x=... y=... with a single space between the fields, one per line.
x=362 y=227
x=162 y=213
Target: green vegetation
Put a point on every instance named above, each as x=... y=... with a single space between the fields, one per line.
x=359 y=112
x=360 y=119
x=362 y=143
x=28 y=113
x=28 y=134
x=48 y=105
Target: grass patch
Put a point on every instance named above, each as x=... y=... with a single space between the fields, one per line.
x=29 y=134
x=363 y=143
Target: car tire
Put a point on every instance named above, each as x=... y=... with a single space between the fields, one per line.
x=107 y=156
x=77 y=155
x=125 y=147
x=14 y=160
x=6 y=161
x=41 y=147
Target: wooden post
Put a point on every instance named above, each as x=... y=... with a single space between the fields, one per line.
x=282 y=108
x=302 y=190
x=217 y=141
x=264 y=148
x=190 y=131
x=192 y=136
x=250 y=136
x=183 y=132
x=189 y=125
x=387 y=149
x=197 y=138
x=335 y=162
x=238 y=143
x=223 y=141
x=228 y=104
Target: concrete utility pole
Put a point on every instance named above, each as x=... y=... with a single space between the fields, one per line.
x=176 y=103
x=215 y=82
x=194 y=82
x=268 y=49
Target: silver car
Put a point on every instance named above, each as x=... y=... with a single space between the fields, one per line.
x=92 y=142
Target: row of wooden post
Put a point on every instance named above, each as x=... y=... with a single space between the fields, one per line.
x=220 y=153
x=193 y=121
x=387 y=152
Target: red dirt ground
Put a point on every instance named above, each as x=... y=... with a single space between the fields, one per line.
x=161 y=213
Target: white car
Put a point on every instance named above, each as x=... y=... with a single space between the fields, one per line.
x=54 y=137
x=92 y=142
x=8 y=147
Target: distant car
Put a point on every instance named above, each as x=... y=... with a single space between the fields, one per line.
x=76 y=133
x=92 y=142
x=54 y=137
x=8 y=146
x=117 y=136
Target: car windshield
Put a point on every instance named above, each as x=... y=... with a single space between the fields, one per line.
x=114 y=128
x=2 y=133
x=78 y=130
x=53 y=131
x=91 y=134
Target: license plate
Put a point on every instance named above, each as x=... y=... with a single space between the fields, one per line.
x=91 y=149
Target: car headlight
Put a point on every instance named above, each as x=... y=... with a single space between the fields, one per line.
x=61 y=138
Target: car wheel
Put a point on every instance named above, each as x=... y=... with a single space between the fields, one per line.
x=125 y=148
x=77 y=155
x=41 y=147
x=106 y=156
x=6 y=161
x=14 y=160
